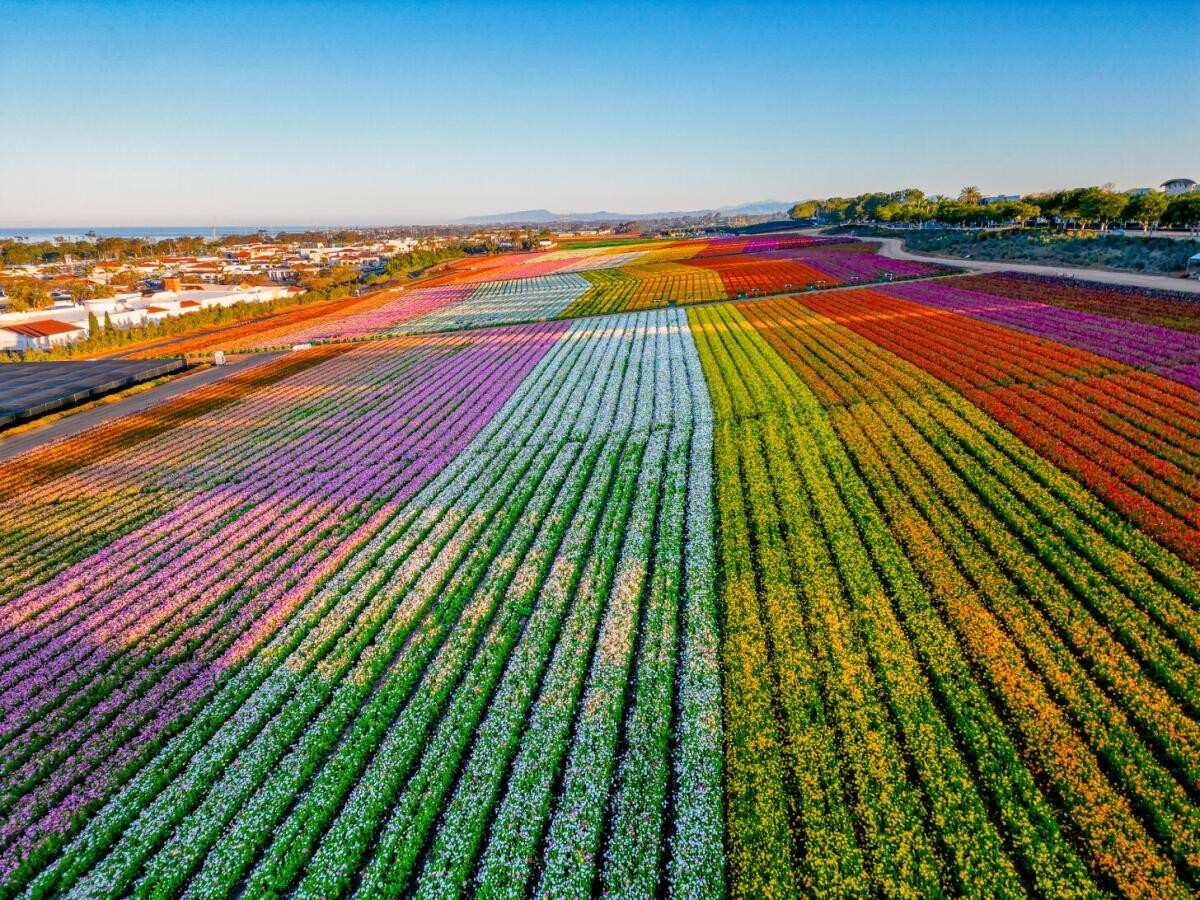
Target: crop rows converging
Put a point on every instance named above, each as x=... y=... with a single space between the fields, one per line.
x=1152 y=307
x=867 y=592
x=946 y=662
x=369 y=600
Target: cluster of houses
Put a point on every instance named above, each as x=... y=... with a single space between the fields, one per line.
x=176 y=285
x=67 y=321
x=278 y=263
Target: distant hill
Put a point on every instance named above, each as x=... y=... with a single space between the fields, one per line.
x=544 y=216
x=758 y=208
x=524 y=215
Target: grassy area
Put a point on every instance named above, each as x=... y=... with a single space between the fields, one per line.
x=607 y=242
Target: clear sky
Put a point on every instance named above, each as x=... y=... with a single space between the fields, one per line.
x=353 y=113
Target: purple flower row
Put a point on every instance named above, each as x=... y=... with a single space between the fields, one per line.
x=403 y=307
x=846 y=267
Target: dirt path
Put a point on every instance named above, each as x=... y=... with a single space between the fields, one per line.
x=74 y=424
x=893 y=248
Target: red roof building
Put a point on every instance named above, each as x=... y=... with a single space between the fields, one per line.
x=41 y=328
x=41 y=334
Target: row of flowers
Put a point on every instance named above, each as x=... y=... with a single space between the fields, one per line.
x=964 y=497
x=845 y=593
x=371 y=598
x=1010 y=374
x=1173 y=354
x=569 y=283
x=1169 y=309
x=365 y=451
x=868 y=781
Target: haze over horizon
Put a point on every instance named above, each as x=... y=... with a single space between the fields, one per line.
x=371 y=113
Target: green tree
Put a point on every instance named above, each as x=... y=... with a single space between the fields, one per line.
x=1147 y=210
x=87 y=290
x=1103 y=206
x=870 y=204
x=889 y=212
x=26 y=295
x=840 y=209
x=127 y=279
x=806 y=209
x=1183 y=211
x=953 y=212
x=93 y=325
x=1011 y=211
x=917 y=213
x=79 y=291
x=1060 y=206
x=970 y=194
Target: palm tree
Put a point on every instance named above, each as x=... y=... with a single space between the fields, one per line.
x=970 y=194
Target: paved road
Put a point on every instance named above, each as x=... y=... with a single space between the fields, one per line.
x=81 y=421
x=893 y=248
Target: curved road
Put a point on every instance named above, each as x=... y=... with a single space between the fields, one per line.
x=893 y=248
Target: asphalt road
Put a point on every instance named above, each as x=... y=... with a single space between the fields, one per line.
x=67 y=426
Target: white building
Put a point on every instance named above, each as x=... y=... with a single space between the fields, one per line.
x=34 y=330
x=1177 y=186
x=39 y=334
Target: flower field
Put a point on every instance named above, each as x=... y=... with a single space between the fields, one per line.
x=547 y=591
x=502 y=301
x=1150 y=307
x=927 y=621
x=349 y=319
x=1170 y=353
x=529 y=287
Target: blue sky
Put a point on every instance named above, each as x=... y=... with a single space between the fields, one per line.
x=285 y=113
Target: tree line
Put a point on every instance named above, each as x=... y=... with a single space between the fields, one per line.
x=16 y=252
x=417 y=260
x=1079 y=207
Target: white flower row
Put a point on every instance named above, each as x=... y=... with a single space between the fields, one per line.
x=448 y=707
x=501 y=302
x=604 y=261
x=510 y=522
x=457 y=840
x=573 y=842
x=345 y=844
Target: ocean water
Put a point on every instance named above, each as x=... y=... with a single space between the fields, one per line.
x=148 y=232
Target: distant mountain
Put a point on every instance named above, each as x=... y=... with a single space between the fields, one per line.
x=524 y=215
x=544 y=216
x=758 y=208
